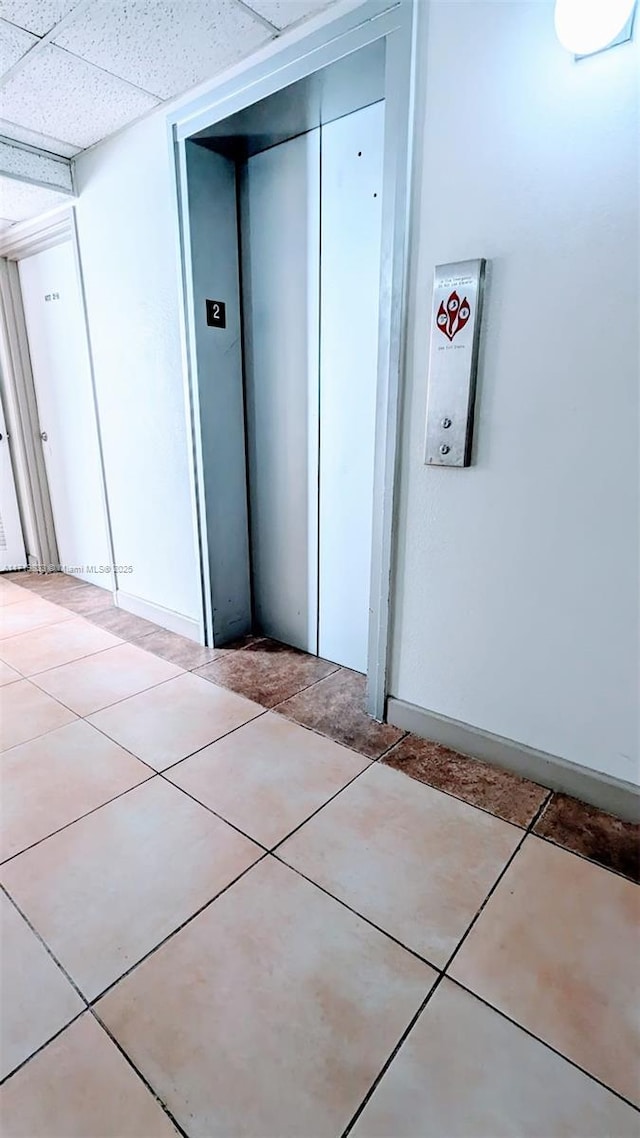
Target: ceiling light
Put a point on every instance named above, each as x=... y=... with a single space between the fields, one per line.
x=587 y=26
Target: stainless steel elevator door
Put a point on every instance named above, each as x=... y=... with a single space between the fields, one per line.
x=280 y=228
x=310 y=224
x=351 y=194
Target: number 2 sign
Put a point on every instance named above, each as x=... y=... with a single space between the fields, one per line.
x=216 y=314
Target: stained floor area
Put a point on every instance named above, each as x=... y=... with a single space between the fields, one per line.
x=234 y=905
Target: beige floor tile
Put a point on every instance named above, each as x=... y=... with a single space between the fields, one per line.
x=54 y=645
x=11 y=594
x=270 y=1014
x=556 y=949
x=37 y=998
x=8 y=675
x=268 y=776
x=80 y=1086
x=26 y=712
x=26 y=615
x=50 y=781
x=97 y=681
x=466 y=1072
x=108 y=888
x=170 y=722
x=413 y=860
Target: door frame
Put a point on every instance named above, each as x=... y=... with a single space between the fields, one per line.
x=23 y=240
x=278 y=66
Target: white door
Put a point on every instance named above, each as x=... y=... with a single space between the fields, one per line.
x=12 y=552
x=352 y=153
x=280 y=222
x=60 y=363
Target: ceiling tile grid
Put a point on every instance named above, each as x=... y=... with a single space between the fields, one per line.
x=72 y=72
x=33 y=138
x=164 y=47
x=60 y=94
x=38 y=16
x=282 y=13
x=14 y=43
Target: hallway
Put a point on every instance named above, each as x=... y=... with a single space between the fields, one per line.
x=227 y=912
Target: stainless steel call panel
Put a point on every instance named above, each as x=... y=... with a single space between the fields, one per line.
x=453 y=361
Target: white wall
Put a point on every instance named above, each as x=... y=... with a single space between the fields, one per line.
x=127 y=236
x=517 y=579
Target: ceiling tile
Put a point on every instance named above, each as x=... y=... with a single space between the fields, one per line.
x=33 y=138
x=164 y=46
x=37 y=16
x=285 y=12
x=20 y=200
x=18 y=162
x=60 y=95
x=13 y=45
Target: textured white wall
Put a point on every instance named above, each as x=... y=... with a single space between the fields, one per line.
x=517 y=579
x=127 y=235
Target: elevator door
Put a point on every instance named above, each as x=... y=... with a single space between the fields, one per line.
x=310 y=232
x=280 y=227
x=349 y=300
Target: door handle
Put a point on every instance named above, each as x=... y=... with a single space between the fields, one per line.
x=44 y=436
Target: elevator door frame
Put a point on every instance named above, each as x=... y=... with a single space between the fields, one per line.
x=303 y=54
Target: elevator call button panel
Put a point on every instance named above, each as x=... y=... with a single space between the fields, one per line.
x=453 y=362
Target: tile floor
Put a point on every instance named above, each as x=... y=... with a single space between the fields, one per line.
x=227 y=912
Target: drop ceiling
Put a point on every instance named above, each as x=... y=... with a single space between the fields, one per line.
x=72 y=72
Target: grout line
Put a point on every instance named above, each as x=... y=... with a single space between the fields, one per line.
x=441 y=972
x=374 y=1086
x=543 y=1042
x=43 y=942
x=391 y=746
x=444 y=973
x=317 y=811
x=476 y=805
x=583 y=857
x=138 y=1072
x=316 y=730
x=218 y=739
x=152 y=774
x=315 y=683
x=542 y=810
x=273 y=708
x=108 y=706
x=23 y=1063
x=360 y=916
x=525 y=834
x=52 y=668
x=32 y=590
x=220 y=817
x=23 y=743
x=195 y=671
x=174 y=932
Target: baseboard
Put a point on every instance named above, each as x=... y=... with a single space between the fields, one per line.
x=604 y=791
x=166 y=618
